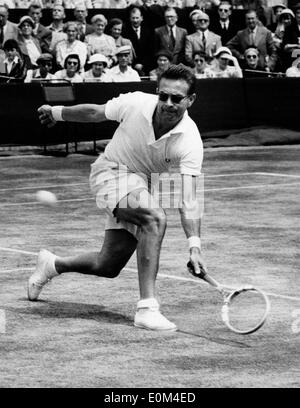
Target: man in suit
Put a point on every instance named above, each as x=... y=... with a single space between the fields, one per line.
x=8 y=30
x=224 y=25
x=170 y=37
x=203 y=39
x=142 y=38
x=254 y=35
x=80 y=15
x=42 y=33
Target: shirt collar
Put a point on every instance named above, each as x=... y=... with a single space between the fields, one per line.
x=15 y=61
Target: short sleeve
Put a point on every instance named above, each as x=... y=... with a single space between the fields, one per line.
x=116 y=108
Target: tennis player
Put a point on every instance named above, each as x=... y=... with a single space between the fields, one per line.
x=154 y=133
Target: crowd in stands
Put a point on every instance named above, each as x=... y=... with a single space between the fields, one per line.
x=145 y=42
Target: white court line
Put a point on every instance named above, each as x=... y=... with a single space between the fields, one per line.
x=41 y=187
x=258 y=186
x=160 y=275
x=205 y=177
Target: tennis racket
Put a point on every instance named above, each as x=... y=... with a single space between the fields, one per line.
x=244 y=309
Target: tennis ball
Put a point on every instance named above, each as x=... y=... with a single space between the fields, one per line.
x=46 y=197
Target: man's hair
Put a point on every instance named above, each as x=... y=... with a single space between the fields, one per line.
x=34 y=6
x=10 y=44
x=183 y=72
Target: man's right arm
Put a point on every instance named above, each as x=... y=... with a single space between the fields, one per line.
x=83 y=113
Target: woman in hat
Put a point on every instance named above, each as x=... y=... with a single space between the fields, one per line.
x=163 y=60
x=220 y=67
x=294 y=70
x=100 y=43
x=29 y=44
x=97 y=72
x=14 y=64
x=71 y=69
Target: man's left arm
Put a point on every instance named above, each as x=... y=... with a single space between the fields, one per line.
x=191 y=209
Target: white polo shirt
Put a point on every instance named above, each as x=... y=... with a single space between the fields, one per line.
x=134 y=144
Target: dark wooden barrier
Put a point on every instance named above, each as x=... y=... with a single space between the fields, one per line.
x=221 y=106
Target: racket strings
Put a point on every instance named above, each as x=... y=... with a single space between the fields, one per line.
x=246 y=310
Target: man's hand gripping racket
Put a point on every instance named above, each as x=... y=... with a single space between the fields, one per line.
x=244 y=309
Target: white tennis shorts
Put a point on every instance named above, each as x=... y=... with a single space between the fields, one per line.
x=110 y=182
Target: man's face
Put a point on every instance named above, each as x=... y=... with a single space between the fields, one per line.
x=224 y=11
x=251 y=20
x=11 y=54
x=58 y=13
x=3 y=16
x=80 y=14
x=171 y=18
x=136 y=18
x=252 y=59
x=116 y=31
x=200 y=23
x=35 y=14
x=169 y=110
x=200 y=62
x=124 y=59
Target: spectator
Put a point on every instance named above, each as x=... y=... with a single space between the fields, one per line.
x=224 y=25
x=43 y=72
x=100 y=43
x=98 y=71
x=13 y=63
x=163 y=59
x=57 y=26
x=118 y=4
x=220 y=67
x=142 y=38
x=254 y=35
x=294 y=70
x=71 y=69
x=252 y=67
x=203 y=39
x=8 y=30
x=285 y=19
x=277 y=10
x=201 y=69
x=114 y=28
x=171 y=37
x=42 y=33
x=29 y=45
x=291 y=39
x=71 y=46
x=123 y=72
x=80 y=15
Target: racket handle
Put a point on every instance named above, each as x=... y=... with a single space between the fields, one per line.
x=205 y=276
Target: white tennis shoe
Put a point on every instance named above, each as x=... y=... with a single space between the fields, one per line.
x=44 y=272
x=149 y=317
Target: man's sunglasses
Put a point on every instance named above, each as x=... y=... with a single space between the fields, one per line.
x=72 y=63
x=251 y=56
x=163 y=97
x=224 y=10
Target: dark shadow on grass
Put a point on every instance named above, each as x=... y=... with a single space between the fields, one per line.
x=218 y=340
x=72 y=310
